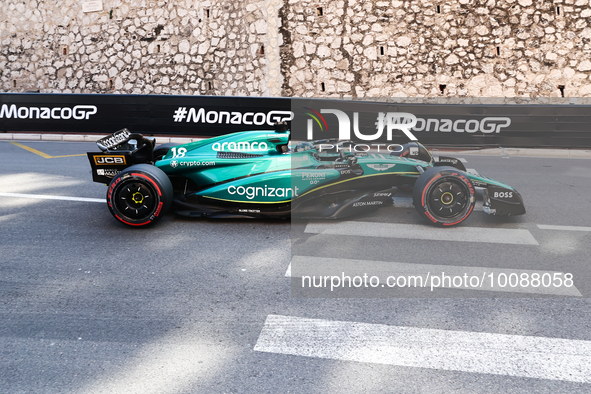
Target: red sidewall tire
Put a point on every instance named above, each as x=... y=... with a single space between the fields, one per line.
x=139 y=195
x=444 y=196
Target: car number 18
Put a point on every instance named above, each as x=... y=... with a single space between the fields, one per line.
x=180 y=152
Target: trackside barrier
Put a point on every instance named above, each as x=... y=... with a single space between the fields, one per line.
x=457 y=125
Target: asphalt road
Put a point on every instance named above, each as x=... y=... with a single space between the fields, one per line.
x=204 y=306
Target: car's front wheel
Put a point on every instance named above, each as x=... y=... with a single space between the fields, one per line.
x=444 y=196
x=139 y=195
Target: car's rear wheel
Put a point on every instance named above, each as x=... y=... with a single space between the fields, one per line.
x=444 y=196
x=139 y=195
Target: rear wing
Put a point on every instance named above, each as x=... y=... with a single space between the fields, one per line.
x=119 y=151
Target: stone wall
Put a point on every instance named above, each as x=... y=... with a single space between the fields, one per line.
x=304 y=48
x=399 y=48
x=217 y=47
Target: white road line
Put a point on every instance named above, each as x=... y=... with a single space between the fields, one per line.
x=424 y=231
x=563 y=228
x=46 y=197
x=505 y=280
x=499 y=354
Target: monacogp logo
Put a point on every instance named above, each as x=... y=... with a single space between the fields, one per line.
x=487 y=125
x=226 y=117
x=79 y=112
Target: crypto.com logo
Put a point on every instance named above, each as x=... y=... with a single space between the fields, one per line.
x=402 y=121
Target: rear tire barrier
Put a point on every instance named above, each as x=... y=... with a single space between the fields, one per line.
x=444 y=196
x=139 y=195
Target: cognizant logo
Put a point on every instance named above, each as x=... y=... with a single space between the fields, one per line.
x=239 y=146
x=251 y=191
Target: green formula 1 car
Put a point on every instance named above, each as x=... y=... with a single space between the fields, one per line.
x=259 y=174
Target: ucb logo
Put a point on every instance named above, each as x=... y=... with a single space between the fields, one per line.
x=104 y=160
x=387 y=121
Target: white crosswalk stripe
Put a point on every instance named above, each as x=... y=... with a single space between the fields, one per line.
x=464 y=351
x=476 y=352
x=418 y=231
x=563 y=228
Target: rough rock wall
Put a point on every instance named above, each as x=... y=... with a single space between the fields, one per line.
x=219 y=47
x=359 y=48
x=427 y=48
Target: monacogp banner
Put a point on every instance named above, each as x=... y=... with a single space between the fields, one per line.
x=461 y=125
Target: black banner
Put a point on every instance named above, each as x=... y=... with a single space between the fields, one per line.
x=454 y=125
x=461 y=125
x=147 y=114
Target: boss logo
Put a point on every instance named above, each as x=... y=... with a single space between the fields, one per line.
x=106 y=160
x=503 y=195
